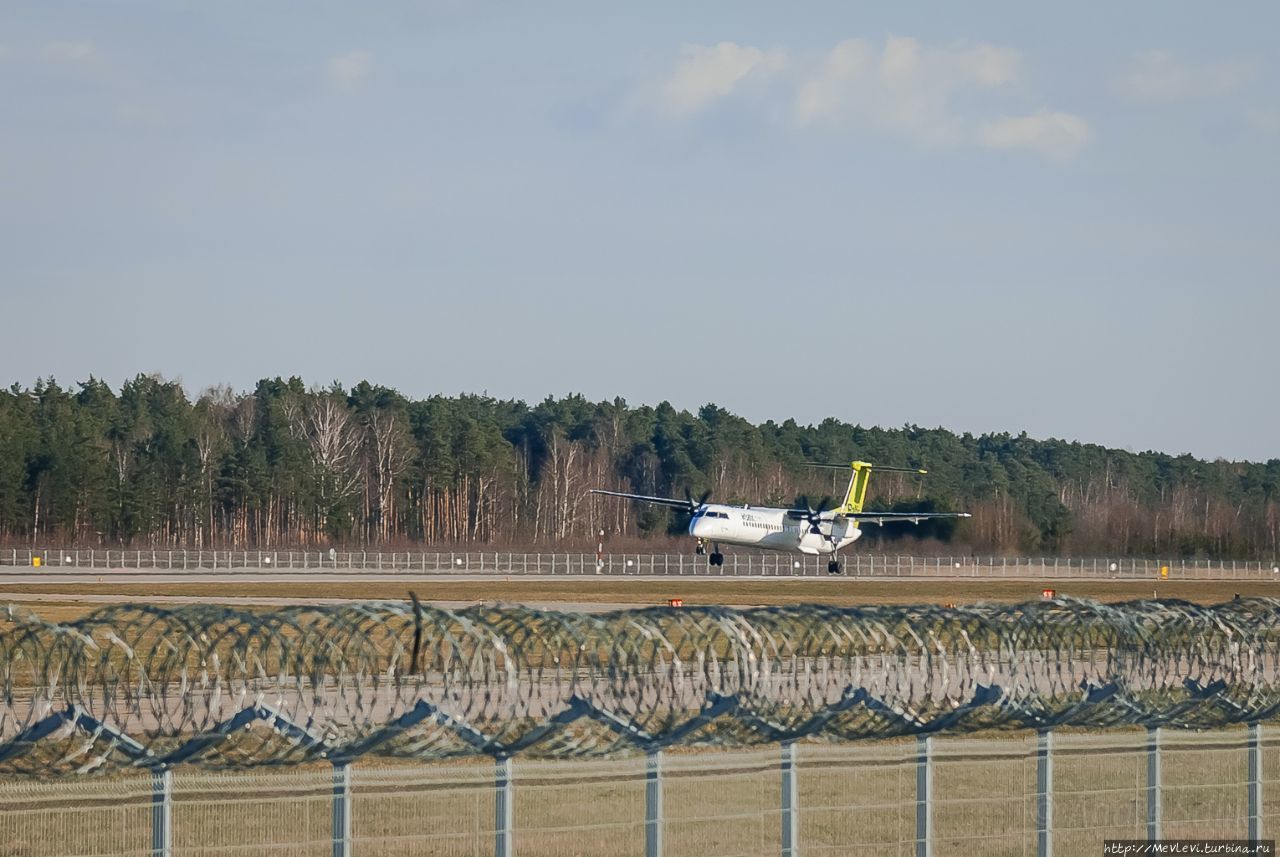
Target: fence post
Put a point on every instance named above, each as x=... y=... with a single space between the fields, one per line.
x=653 y=804
x=1153 y=784
x=341 y=810
x=504 y=805
x=162 y=813
x=924 y=796
x=1044 y=794
x=790 y=803
x=1255 y=781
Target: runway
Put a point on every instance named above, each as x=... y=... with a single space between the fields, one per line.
x=278 y=601
x=56 y=577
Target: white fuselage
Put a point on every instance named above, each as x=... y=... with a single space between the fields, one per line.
x=771 y=529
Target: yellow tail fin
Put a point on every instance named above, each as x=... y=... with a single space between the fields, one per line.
x=857 y=493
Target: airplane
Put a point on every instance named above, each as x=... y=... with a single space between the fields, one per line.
x=806 y=531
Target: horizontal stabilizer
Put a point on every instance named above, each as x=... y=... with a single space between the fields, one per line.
x=860 y=464
x=896 y=517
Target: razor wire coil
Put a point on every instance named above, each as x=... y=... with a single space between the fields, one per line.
x=142 y=686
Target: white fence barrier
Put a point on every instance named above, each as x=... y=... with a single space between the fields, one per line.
x=742 y=564
x=1032 y=794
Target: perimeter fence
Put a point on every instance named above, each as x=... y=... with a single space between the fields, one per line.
x=736 y=564
x=1017 y=795
x=702 y=731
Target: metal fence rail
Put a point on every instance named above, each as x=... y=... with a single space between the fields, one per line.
x=1020 y=795
x=740 y=564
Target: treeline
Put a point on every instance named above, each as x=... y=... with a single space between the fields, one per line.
x=285 y=465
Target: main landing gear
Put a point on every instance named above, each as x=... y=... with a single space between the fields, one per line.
x=833 y=567
x=716 y=558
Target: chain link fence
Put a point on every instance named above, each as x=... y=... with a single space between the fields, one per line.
x=739 y=564
x=937 y=796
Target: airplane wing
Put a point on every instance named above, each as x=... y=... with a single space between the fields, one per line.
x=661 y=501
x=895 y=517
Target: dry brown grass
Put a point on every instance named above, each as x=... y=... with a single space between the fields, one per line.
x=609 y=592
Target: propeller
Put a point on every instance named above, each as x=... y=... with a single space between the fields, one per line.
x=695 y=506
x=812 y=515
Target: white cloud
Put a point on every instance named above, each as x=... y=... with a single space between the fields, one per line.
x=1161 y=76
x=705 y=74
x=348 y=72
x=904 y=87
x=1058 y=136
x=928 y=95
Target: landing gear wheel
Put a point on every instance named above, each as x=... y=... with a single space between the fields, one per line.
x=717 y=558
x=833 y=567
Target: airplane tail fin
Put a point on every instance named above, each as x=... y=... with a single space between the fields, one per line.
x=856 y=494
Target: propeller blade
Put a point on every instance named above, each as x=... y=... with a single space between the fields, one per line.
x=812 y=515
x=695 y=505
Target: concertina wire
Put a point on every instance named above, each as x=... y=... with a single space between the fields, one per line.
x=133 y=686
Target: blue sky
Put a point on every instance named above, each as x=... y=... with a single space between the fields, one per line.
x=990 y=217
